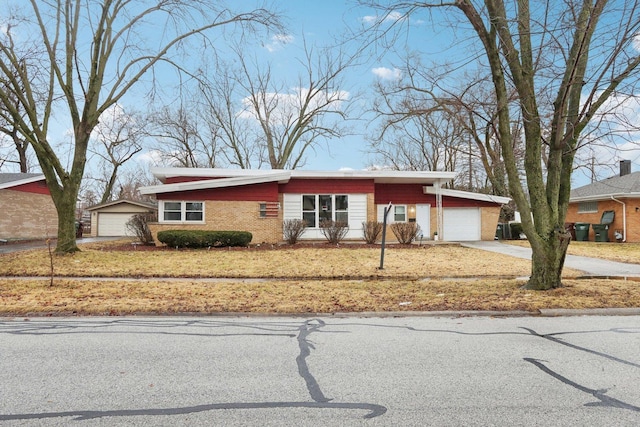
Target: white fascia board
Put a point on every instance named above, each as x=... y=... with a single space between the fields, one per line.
x=604 y=197
x=21 y=182
x=281 y=177
x=163 y=173
x=378 y=175
x=468 y=195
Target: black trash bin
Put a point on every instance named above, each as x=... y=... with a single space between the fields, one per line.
x=582 y=231
x=601 y=231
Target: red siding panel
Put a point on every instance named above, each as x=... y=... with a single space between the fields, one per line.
x=412 y=194
x=265 y=192
x=328 y=186
x=38 y=187
x=402 y=194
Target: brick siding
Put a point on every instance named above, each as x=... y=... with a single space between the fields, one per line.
x=633 y=218
x=27 y=215
x=232 y=215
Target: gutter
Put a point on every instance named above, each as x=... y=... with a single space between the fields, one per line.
x=624 y=218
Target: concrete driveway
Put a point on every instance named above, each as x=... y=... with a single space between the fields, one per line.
x=39 y=244
x=591 y=266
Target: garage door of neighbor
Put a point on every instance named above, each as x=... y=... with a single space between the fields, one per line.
x=461 y=224
x=113 y=224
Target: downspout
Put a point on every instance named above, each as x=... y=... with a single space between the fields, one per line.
x=624 y=218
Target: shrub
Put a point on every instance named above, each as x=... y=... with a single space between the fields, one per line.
x=204 y=238
x=516 y=230
x=139 y=226
x=293 y=229
x=334 y=231
x=371 y=231
x=405 y=232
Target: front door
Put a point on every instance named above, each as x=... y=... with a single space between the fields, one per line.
x=423 y=218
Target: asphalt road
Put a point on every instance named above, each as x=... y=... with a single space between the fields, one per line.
x=294 y=371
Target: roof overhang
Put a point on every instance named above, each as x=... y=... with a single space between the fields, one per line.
x=500 y=200
x=221 y=178
x=595 y=198
x=123 y=202
x=23 y=181
x=215 y=183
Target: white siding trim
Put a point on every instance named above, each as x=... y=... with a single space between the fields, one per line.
x=357 y=214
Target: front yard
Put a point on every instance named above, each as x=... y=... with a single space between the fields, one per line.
x=117 y=279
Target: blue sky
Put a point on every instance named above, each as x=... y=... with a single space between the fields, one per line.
x=323 y=22
x=432 y=35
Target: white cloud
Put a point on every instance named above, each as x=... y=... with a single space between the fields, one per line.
x=385 y=73
x=278 y=41
x=369 y=19
x=636 y=41
x=390 y=17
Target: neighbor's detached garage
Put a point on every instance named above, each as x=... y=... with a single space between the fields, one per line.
x=110 y=219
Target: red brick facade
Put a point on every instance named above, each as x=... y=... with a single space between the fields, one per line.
x=632 y=218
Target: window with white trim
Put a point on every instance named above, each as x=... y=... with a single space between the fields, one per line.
x=182 y=211
x=400 y=213
x=588 y=207
x=333 y=207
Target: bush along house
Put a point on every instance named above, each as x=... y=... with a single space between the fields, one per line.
x=260 y=201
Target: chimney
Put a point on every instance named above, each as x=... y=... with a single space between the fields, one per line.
x=625 y=167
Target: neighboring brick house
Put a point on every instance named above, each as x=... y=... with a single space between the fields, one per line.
x=27 y=209
x=260 y=200
x=620 y=194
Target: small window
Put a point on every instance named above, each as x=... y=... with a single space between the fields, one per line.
x=400 y=213
x=587 y=207
x=183 y=211
x=193 y=211
x=172 y=211
x=263 y=210
x=309 y=210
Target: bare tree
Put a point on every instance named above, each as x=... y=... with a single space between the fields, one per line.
x=183 y=137
x=117 y=139
x=19 y=145
x=584 y=53
x=427 y=125
x=95 y=52
x=277 y=123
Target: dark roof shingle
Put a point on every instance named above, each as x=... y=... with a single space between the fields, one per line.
x=616 y=185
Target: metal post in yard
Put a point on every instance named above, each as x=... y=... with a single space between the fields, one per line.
x=384 y=234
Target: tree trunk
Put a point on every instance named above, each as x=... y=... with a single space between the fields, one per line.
x=547 y=261
x=66 y=207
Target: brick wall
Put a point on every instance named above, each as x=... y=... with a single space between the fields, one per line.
x=489 y=218
x=232 y=215
x=633 y=218
x=27 y=215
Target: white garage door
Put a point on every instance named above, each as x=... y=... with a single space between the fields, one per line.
x=113 y=224
x=461 y=224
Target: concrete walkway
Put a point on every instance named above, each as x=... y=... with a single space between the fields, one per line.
x=591 y=266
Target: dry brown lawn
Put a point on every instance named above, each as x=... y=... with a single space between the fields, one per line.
x=322 y=279
x=620 y=252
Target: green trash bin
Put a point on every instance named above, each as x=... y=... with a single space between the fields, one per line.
x=582 y=231
x=601 y=232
